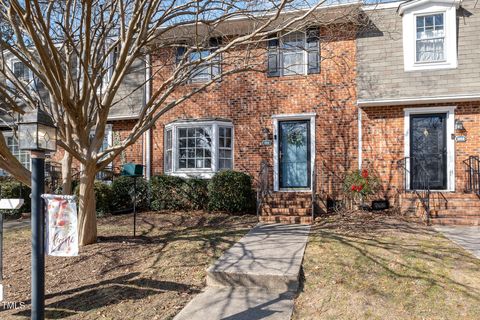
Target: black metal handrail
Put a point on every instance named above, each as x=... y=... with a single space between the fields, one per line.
x=472 y=174
x=422 y=185
x=314 y=189
x=263 y=185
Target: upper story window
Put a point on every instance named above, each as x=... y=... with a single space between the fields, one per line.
x=21 y=72
x=202 y=70
x=198 y=148
x=22 y=156
x=294 y=53
x=429 y=34
x=430 y=46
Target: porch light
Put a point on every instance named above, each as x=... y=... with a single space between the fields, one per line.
x=37 y=132
x=265 y=133
x=459 y=125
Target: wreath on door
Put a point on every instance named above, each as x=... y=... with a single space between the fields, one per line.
x=295 y=137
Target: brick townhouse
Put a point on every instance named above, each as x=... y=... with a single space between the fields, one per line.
x=390 y=87
x=419 y=104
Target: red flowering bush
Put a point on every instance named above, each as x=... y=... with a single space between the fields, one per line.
x=361 y=183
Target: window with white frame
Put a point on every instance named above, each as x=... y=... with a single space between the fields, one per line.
x=21 y=72
x=430 y=38
x=168 y=150
x=429 y=34
x=201 y=70
x=22 y=156
x=198 y=147
x=294 y=53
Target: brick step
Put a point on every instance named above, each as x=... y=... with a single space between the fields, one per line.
x=287 y=211
x=456 y=221
x=286 y=219
x=448 y=196
x=443 y=206
x=289 y=196
x=288 y=203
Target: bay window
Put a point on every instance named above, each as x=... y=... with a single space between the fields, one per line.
x=198 y=148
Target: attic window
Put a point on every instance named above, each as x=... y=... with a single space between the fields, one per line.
x=429 y=34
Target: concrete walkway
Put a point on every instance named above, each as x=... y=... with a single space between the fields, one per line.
x=467 y=237
x=255 y=279
x=16 y=224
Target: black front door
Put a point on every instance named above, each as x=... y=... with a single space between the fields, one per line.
x=294 y=154
x=428 y=151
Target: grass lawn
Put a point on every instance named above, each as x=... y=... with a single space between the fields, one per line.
x=365 y=266
x=149 y=277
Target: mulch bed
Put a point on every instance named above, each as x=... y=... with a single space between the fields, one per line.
x=151 y=276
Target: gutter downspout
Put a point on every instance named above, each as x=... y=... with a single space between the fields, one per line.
x=147 y=136
x=360 y=142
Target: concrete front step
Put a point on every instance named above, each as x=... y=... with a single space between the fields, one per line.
x=464 y=221
x=269 y=257
x=217 y=303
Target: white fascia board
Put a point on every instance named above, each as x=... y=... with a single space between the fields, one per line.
x=416 y=100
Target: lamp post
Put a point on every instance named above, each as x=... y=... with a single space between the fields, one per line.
x=37 y=134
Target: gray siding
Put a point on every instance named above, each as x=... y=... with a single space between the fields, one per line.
x=131 y=100
x=381 y=73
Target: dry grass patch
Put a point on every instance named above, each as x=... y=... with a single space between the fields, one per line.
x=370 y=266
x=149 y=277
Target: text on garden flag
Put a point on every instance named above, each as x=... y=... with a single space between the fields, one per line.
x=61 y=221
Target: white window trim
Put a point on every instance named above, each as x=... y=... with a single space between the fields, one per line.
x=11 y=62
x=276 y=168
x=198 y=173
x=450 y=127
x=428 y=7
x=8 y=134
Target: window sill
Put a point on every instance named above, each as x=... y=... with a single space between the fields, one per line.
x=427 y=66
x=192 y=174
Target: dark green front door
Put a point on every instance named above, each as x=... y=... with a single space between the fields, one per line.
x=294 y=154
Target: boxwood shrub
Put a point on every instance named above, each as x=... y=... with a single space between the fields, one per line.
x=175 y=193
x=123 y=190
x=231 y=191
x=103 y=197
x=10 y=188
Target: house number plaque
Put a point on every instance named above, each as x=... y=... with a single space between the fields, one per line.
x=461 y=138
x=266 y=142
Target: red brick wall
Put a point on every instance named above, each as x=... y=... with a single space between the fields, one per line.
x=250 y=100
x=383 y=142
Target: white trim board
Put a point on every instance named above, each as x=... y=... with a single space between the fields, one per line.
x=450 y=127
x=276 y=171
x=417 y=100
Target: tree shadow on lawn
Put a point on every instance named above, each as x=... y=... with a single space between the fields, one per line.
x=105 y=293
x=402 y=249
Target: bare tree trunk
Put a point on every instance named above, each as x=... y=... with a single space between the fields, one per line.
x=87 y=218
x=67 y=173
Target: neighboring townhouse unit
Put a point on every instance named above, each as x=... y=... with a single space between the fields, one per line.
x=419 y=99
x=127 y=104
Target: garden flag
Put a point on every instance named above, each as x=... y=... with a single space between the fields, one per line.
x=61 y=220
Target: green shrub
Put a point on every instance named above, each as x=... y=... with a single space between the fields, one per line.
x=103 y=197
x=175 y=193
x=167 y=193
x=231 y=191
x=11 y=189
x=123 y=191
